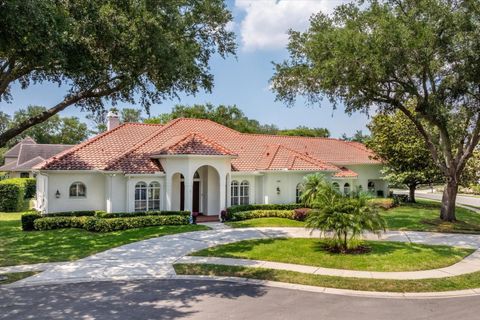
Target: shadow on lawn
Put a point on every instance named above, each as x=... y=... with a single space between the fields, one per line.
x=147 y=299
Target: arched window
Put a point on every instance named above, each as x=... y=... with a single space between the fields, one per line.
x=78 y=190
x=346 y=189
x=141 y=196
x=298 y=193
x=371 y=186
x=244 y=192
x=336 y=186
x=196 y=175
x=153 y=196
x=234 y=193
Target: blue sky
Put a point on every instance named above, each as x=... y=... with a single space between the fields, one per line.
x=260 y=26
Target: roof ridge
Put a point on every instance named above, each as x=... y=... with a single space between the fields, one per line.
x=202 y=137
x=77 y=147
x=140 y=143
x=285 y=136
x=309 y=158
x=208 y=120
x=273 y=155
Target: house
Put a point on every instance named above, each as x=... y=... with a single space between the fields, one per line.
x=196 y=165
x=20 y=159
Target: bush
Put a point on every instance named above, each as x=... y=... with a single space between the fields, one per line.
x=50 y=223
x=301 y=214
x=252 y=207
x=95 y=224
x=115 y=224
x=13 y=194
x=28 y=219
x=105 y=215
x=254 y=214
x=85 y=213
x=30 y=188
x=383 y=203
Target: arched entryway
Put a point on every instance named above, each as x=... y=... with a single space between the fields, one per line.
x=206 y=191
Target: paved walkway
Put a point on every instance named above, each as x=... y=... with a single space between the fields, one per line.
x=153 y=258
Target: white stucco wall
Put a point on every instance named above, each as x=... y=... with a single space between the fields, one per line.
x=61 y=181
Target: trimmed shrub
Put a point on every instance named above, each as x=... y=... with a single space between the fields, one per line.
x=301 y=214
x=115 y=224
x=251 y=207
x=50 y=223
x=383 y=203
x=28 y=219
x=30 y=188
x=13 y=194
x=254 y=214
x=105 y=215
x=86 y=213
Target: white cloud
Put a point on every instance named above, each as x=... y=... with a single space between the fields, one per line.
x=266 y=22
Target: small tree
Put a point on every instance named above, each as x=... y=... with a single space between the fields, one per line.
x=398 y=144
x=340 y=218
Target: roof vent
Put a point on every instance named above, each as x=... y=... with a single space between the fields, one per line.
x=113 y=120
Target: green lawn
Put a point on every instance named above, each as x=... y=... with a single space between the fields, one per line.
x=385 y=256
x=266 y=222
x=20 y=247
x=12 y=277
x=421 y=216
x=467 y=281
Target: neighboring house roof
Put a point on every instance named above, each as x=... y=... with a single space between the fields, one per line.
x=27 y=154
x=130 y=147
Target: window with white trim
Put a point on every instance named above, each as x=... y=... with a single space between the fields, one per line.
x=141 y=196
x=244 y=192
x=336 y=186
x=298 y=193
x=346 y=189
x=234 y=193
x=153 y=196
x=78 y=190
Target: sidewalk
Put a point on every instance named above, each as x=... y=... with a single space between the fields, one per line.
x=154 y=258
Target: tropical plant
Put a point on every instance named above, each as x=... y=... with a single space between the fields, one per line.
x=344 y=221
x=316 y=192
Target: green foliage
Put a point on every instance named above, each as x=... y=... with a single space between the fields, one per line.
x=14 y=192
x=130 y=115
x=85 y=213
x=111 y=51
x=397 y=55
x=254 y=214
x=358 y=136
x=30 y=188
x=56 y=130
x=345 y=220
x=304 y=131
x=251 y=207
x=28 y=219
x=317 y=192
x=105 y=215
x=95 y=224
x=397 y=142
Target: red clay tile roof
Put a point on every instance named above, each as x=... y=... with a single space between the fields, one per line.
x=345 y=173
x=194 y=143
x=129 y=148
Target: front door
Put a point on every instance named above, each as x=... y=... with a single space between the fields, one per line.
x=196 y=196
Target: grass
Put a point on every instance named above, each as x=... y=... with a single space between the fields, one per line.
x=20 y=247
x=420 y=216
x=266 y=222
x=467 y=281
x=384 y=256
x=13 y=277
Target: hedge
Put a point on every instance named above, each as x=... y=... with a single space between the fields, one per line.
x=254 y=214
x=15 y=194
x=28 y=219
x=95 y=224
x=105 y=215
x=251 y=207
x=85 y=213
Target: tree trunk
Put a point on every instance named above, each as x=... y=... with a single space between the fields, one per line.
x=411 y=193
x=447 y=211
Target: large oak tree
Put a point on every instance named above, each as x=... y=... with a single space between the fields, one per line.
x=109 y=50
x=392 y=54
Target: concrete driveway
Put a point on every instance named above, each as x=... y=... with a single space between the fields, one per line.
x=195 y=299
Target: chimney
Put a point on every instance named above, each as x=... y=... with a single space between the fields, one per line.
x=113 y=120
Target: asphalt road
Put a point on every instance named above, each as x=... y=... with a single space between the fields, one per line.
x=185 y=299
x=465 y=200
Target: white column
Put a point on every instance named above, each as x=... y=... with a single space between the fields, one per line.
x=108 y=193
x=188 y=184
x=168 y=191
x=223 y=181
x=229 y=190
